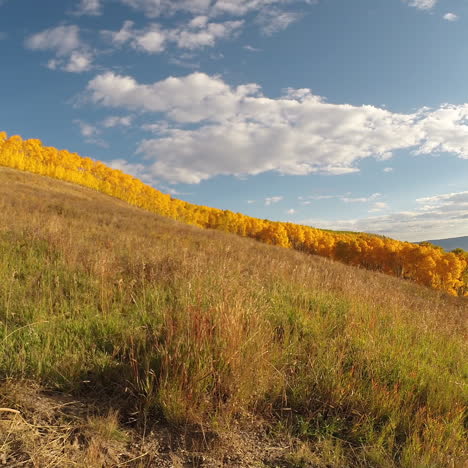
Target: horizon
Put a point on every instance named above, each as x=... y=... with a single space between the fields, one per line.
x=336 y=115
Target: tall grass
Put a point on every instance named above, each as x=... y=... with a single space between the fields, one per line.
x=205 y=328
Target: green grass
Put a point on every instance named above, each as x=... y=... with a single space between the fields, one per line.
x=204 y=328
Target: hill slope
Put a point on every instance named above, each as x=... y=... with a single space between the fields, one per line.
x=424 y=264
x=128 y=338
x=452 y=243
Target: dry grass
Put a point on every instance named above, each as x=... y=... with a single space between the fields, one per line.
x=153 y=320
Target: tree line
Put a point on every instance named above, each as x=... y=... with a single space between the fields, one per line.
x=423 y=263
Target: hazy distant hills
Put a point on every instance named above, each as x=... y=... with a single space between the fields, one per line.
x=452 y=243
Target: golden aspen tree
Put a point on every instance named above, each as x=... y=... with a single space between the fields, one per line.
x=274 y=234
x=425 y=264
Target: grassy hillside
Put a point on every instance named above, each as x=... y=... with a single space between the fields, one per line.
x=424 y=264
x=129 y=339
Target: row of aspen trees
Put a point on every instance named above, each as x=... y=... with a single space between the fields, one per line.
x=424 y=263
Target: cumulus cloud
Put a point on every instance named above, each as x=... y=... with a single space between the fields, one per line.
x=422 y=4
x=135 y=169
x=318 y=197
x=116 y=121
x=71 y=53
x=445 y=130
x=347 y=198
x=272 y=200
x=63 y=40
x=213 y=128
x=201 y=33
x=361 y=199
x=251 y=48
x=184 y=63
x=196 y=34
x=378 y=206
x=388 y=169
x=450 y=17
x=194 y=98
x=87 y=130
x=155 y=8
x=79 y=61
x=271 y=14
x=89 y=7
x=91 y=133
x=447 y=201
x=273 y=20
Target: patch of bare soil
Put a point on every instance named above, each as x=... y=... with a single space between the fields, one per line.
x=46 y=429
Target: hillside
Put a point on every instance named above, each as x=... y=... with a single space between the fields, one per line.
x=451 y=243
x=130 y=339
x=423 y=264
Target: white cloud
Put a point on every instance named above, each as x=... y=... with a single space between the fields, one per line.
x=387 y=155
x=450 y=17
x=71 y=54
x=193 y=98
x=422 y=4
x=115 y=121
x=272 y=200
x=204 y=35
x=388 y=169
x=79 y=61
x=89 y=7
x=271 y=14
x=91 y=133
x=239 y=131
x=445 y=130
x=155 y=8
x=438 y=217
x=319 y=197
x=196 y=34
x=446 y=201
x=137 y=170
x=344 y=198
x=87 y=130
x=378 y=206
x=152 y=41
x=361 y=199
x=274 y=20
x=158 y=128
x=63 y=40
x=184 y=63
x=291 y=211
x=251 y=48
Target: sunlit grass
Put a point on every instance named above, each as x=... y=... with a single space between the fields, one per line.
x=205 y=328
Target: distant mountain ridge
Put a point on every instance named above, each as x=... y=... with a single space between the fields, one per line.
x=451 y=243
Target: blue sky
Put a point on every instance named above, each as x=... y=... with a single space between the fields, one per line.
x=335 y=113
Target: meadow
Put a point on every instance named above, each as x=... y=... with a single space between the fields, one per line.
x=423 y=263
x=118 y=325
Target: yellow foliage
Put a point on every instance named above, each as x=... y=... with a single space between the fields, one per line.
x=425 y=264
